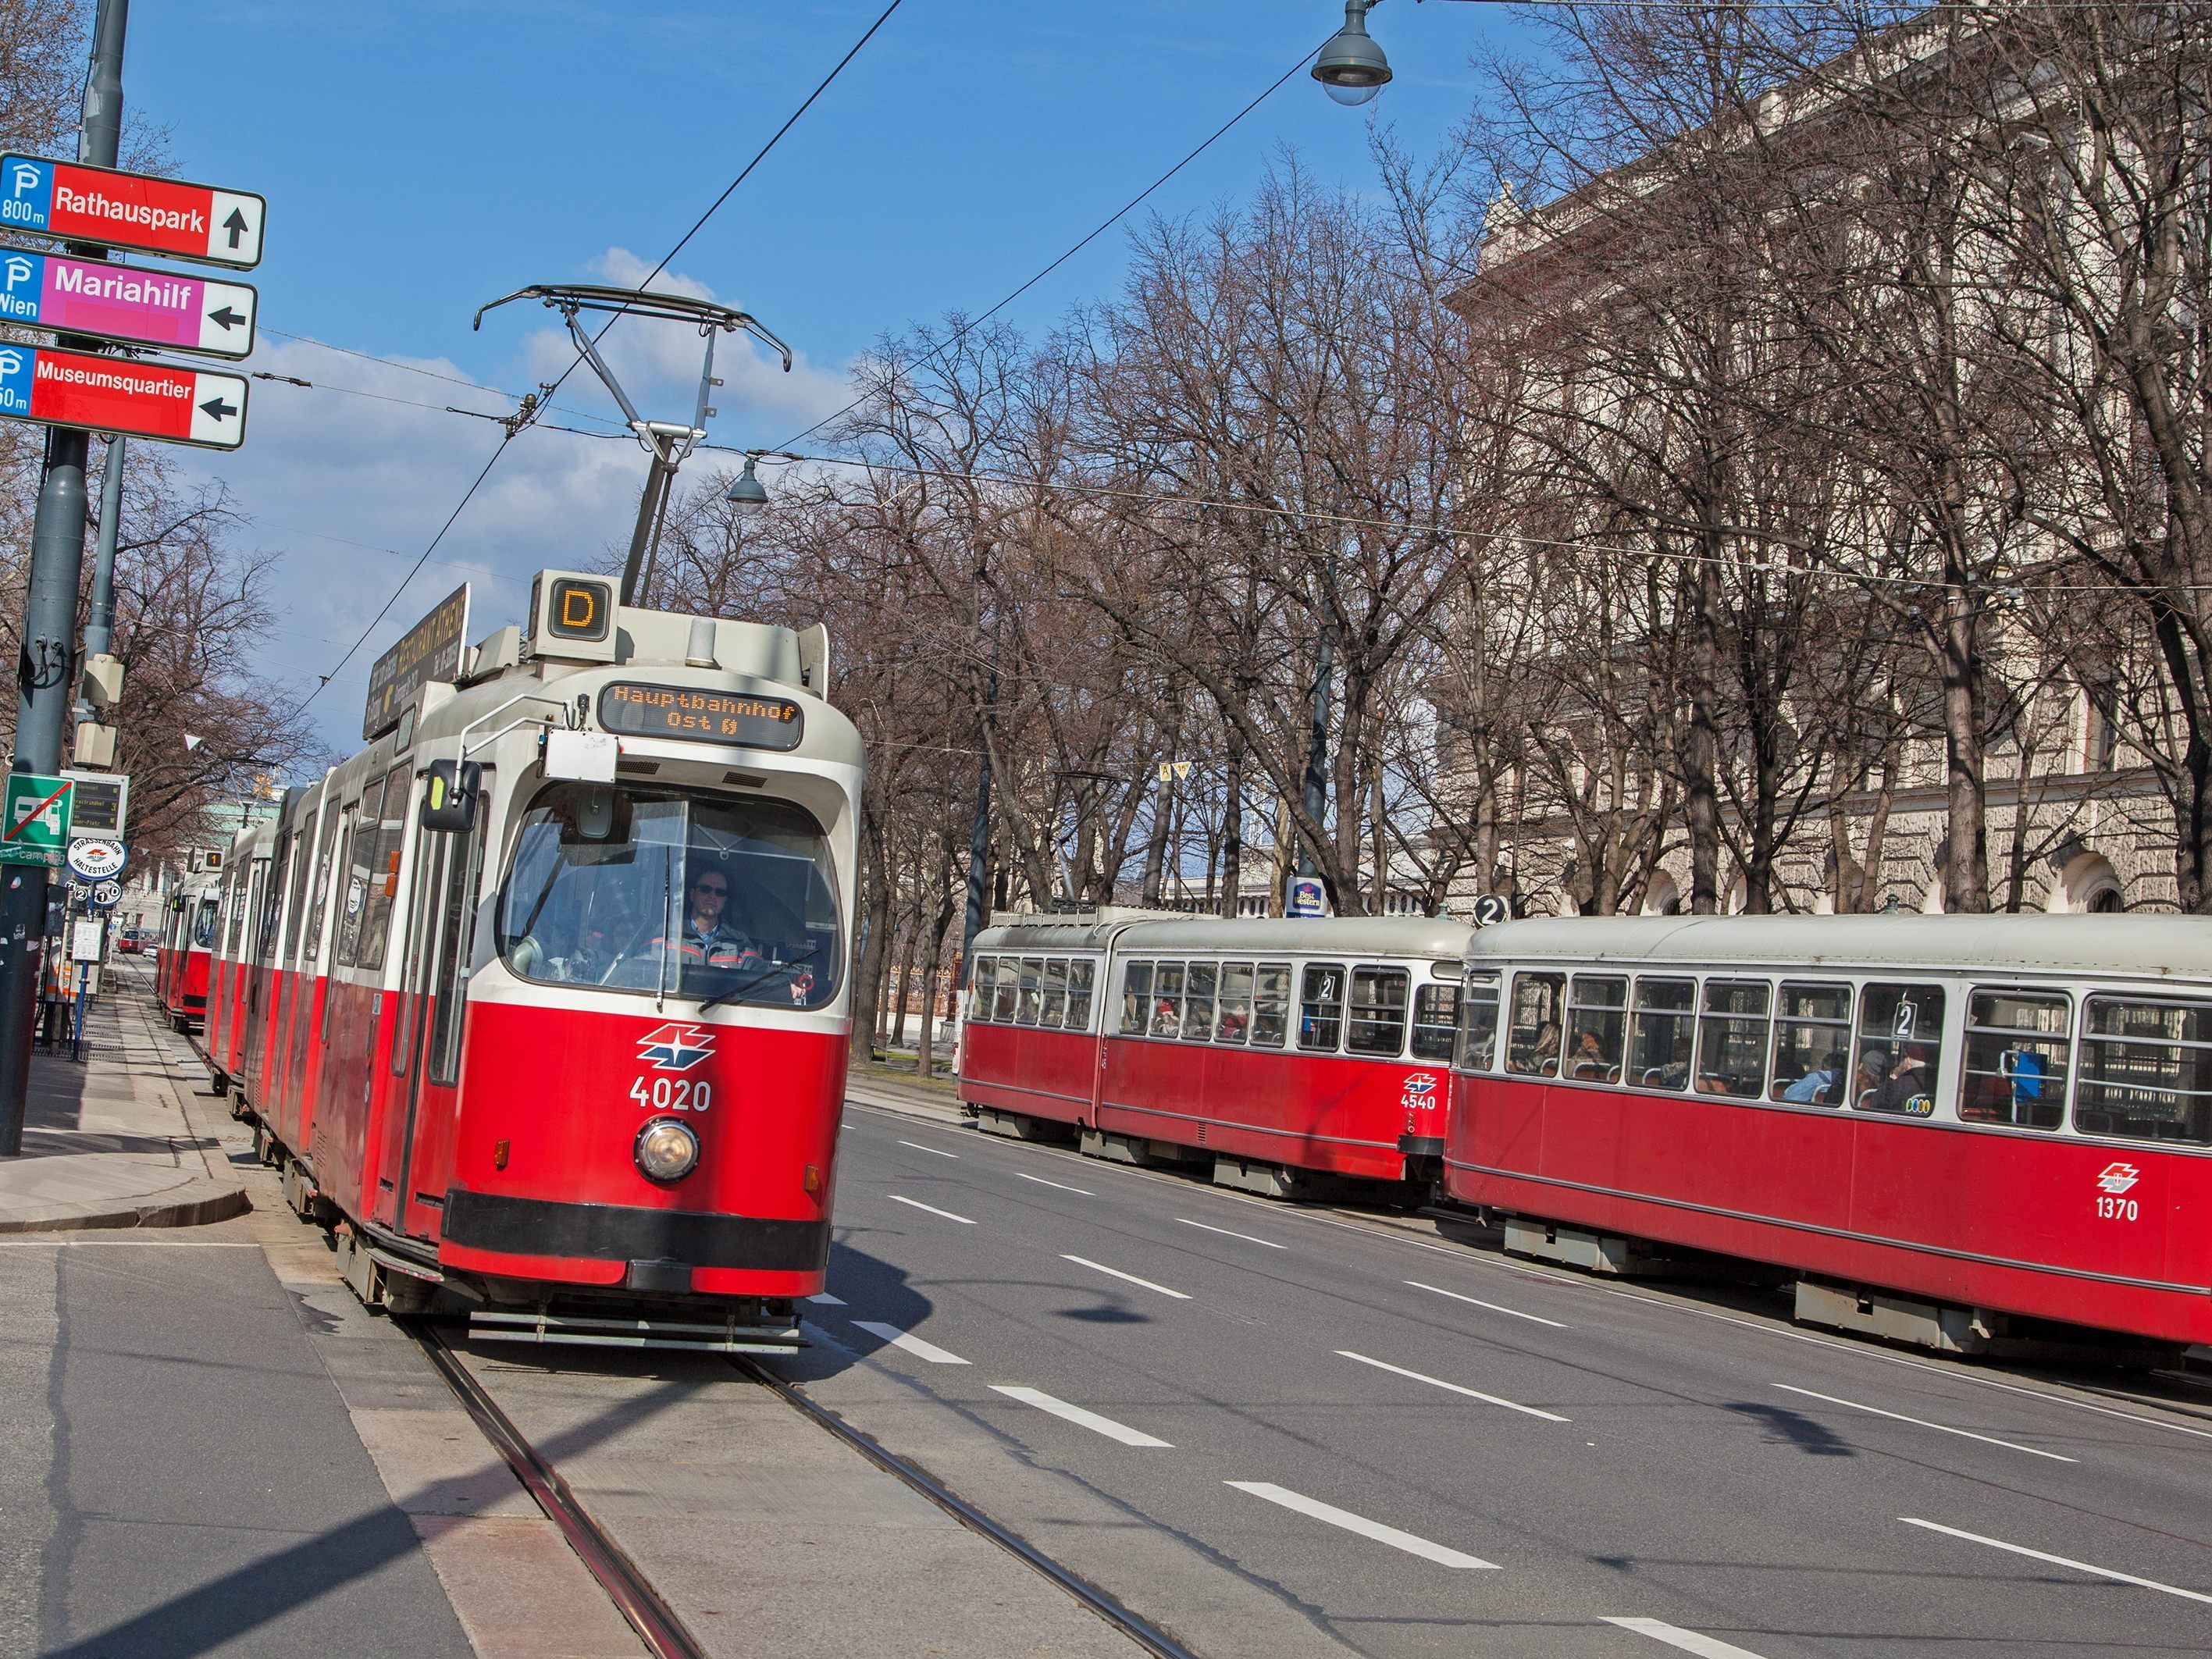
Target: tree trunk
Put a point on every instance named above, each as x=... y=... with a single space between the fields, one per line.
x=1966 y=871
x=1701 y=744
x=874 y=923
x=1233 y=825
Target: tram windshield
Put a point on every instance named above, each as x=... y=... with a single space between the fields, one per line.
x=665 y=893
x=203 y=925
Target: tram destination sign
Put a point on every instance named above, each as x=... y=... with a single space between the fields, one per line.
x=634 y=710
x=431 y=650
x=117 y=303
x=132 y=210
x=111 y=394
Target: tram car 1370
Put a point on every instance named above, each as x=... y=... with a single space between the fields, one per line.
x=544 y=999
x=181 y=956
x=1961 y=1132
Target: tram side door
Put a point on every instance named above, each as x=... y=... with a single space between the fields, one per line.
x=427 y=1037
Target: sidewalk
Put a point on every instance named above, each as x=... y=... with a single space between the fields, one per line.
x=110 y=1143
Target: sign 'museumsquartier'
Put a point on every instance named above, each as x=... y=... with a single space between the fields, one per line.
x=111 y=394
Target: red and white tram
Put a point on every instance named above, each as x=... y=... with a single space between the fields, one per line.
x=1957 y=1131
x=181 y=958
x=542 y=997
x=1277 y=1049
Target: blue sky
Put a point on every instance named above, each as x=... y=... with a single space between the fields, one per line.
x=421 y=158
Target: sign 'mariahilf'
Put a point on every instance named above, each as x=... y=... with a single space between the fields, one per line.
x=117 y=303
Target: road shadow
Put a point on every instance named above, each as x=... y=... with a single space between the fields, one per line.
x=1815 y=1439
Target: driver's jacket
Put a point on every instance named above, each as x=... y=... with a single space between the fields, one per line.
x=719 y=949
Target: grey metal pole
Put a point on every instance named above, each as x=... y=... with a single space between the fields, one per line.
x=49 y=632
x=100 y=622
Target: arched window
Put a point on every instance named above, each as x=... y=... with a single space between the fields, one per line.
x=2106 y=901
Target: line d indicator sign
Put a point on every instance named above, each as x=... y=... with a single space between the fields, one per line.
x=112 y=394
x=132 y=210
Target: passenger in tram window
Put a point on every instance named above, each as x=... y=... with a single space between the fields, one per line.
x=1867 y=1082
x=1136 y=997
x=1818 y=1086
x=1589 y=1058
x=1676 y=1072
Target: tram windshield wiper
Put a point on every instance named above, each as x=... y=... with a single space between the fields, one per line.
x=759 y=977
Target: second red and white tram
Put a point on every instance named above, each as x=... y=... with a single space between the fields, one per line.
x=542 y=997
x=1278 y=1050
x=1952 y=1130
x=182 y=956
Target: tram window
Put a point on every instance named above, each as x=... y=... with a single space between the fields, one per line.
x=1477 y=1023
x=1199 y=980
x=1377 y=1026
x=456 y=937
x=1006 y=990
x=295 y=902
x=1271 y=1005
x=384 y=869
x=1732 y=1038
x=2146 y=1071
x=1660 y=1024
x=1167 y=998
x=980 y=971
x=233 y=899
x=1054 y=1011
x=318 y=910
x=1901 y=1047
x=1232 y=1020
x=203 y=926
x=660 y=892
x=1435 y=1016
x=1136 y=997
x=2016 y=1056
x=1079 y=976
x=1597 y=1019
x=1532 y=1040
x=1321 y=1007
x=1812 y=1043
x=1032 y=991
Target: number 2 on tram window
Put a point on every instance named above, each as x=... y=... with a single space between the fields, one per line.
x=1908 y=1017
x=2117 y=1209
x=667 y=1094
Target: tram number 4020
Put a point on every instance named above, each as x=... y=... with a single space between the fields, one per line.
x=672 y=1094
x=2117 y=1209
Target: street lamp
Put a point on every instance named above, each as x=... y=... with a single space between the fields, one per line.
x=747 y=493
x=1352 y=68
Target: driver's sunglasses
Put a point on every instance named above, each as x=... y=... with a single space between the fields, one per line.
x=716 y=888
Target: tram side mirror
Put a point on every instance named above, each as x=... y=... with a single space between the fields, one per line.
x=449 y=797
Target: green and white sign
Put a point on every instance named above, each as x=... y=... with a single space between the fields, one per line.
x=34 y=822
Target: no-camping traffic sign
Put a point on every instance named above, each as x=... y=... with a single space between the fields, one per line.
x=111 y=394
x=132 y=210
x=117 y=303
x=35 y=818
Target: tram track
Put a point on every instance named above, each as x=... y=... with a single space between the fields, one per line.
x=1142 y=1631
x=657 y=1624
x=665 y=1634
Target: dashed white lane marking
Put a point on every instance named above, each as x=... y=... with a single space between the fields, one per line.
x=913 y=1344
x=1084 y=1191
x=1439 y=1553
x=1090 y=1421
x=1100 y=1266
x=1923 y=1423
x=824 y=1299
x=917 y=1204
x=1226 y=1233
x=1533 y=1319
x=1689 y=1640
x=919 y=1147
x=1438 y=1382
x=2059 y=1560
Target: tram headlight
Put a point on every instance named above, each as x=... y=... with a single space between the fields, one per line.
x=667 y=1150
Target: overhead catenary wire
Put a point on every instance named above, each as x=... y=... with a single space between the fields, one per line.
x=507 y=437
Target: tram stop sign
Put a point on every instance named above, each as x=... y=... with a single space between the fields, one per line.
x=34 y=819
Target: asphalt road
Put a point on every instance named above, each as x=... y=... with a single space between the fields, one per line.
x=1276 y=1431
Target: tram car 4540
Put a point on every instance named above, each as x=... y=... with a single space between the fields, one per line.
x=540 y=1000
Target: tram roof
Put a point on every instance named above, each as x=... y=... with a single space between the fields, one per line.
x=2134 y=946
x=1131 y=931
